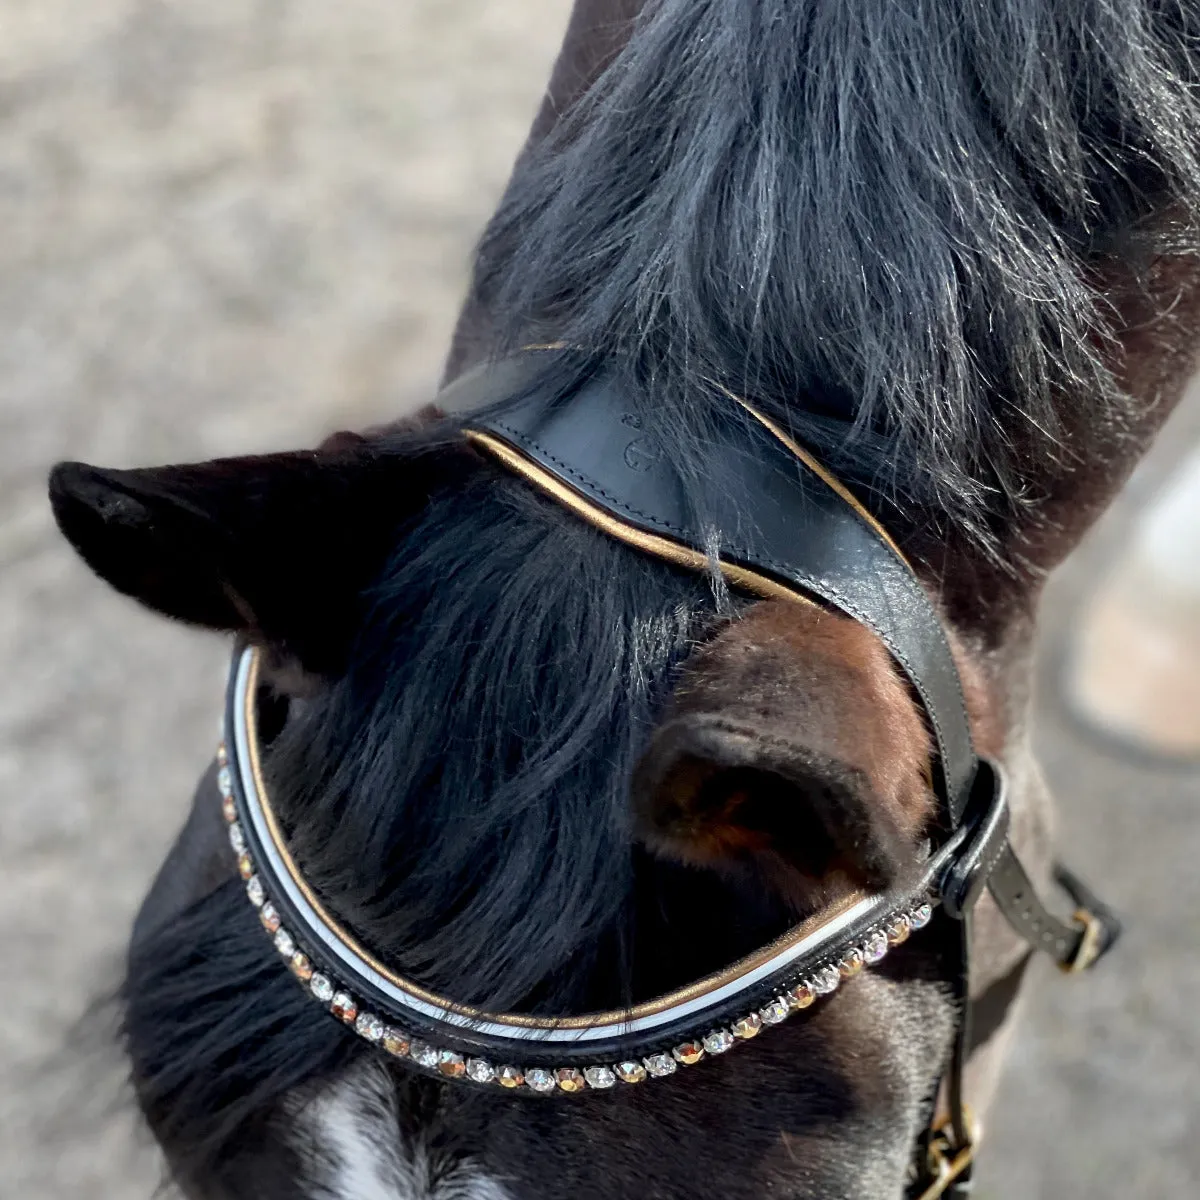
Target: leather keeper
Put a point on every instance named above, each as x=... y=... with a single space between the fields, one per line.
x=986 y=818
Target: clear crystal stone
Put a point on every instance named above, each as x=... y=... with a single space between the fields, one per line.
x=424 y=1054
x=256 y=892
x=876 y=949
x=237 y=839
x=776 y=1011
x=826 y=980
x=599 y=1077
x=321 y=987
x=919 y=917
x=343 y=1006
x=480 y=1070
x=660 y=1064
x=630 y=1071
x=718 y=1041
x=284 y=943
x=269 y=917
x=540 y=1079
x=225 y=782
x=368 y=1025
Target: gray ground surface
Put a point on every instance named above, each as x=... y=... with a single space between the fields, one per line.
x=232 y=227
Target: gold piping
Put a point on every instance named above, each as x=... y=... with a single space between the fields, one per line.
x=651 y=543
x=822 y=472
x=650 y=1008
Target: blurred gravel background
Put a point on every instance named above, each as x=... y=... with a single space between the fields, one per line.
x=234 y=226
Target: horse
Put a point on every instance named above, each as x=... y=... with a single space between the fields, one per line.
x=951 y=250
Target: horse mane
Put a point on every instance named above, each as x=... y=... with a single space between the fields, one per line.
x=881 y=221
x=878 y=221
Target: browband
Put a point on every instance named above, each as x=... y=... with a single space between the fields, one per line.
x=757 y=506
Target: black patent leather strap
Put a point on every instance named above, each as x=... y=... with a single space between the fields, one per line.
x=764 y=509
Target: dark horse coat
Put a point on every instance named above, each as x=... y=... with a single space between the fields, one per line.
x=952 y=247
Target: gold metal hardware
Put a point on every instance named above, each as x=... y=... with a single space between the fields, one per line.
x=1089 y=945
x=944 y=1161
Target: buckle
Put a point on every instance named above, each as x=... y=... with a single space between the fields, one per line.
x=986 y=819
x=1091 y=944
x=945 y=1162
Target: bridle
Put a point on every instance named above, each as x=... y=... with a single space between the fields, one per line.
x=786 y=530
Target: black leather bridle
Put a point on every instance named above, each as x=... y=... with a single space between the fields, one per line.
x=783 y=528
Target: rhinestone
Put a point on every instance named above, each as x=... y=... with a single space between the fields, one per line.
x=343 y=1006
x=801 y=996
x=245 y=866
x=599 y=1077
x=660 y=1064
x=718 y=1041
x=898 y=931
x=540 y=1079
x=629 y=1072
x=222 y=754
x=826 y=980
x=237 y=839
x=480 y=1070
x=851 y=964
x=510 y=1077
x=321 y=987
x=424 y=1055
x=688 y=1053
x=225 y=782
x=747 y=1027
x=284 y=943
x=876 y=949
x=228 y=811
x=919 y=917
x=255 y=890
x=569 y=1079
x=301 y=967
x=774 y=1012
x=395 y=1042
x=450 y=1064
x=369 y=1026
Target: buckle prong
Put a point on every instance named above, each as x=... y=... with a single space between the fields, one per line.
x=1090 y=943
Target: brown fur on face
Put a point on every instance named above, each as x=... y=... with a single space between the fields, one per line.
x=794 y=745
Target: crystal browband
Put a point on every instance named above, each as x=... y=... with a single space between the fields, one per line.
x=541 y=1055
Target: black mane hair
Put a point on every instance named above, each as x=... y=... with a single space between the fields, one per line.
x=880 y=220
x=876 y=219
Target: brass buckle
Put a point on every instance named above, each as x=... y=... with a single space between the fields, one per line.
x=1088 y=949
x=944 y=1162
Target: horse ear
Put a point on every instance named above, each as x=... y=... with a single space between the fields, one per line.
x=276 y=546
x=792 y=747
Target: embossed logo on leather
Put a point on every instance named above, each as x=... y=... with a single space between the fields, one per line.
x=643 y=452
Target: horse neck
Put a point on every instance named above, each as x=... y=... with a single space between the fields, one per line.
x=988 y=595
